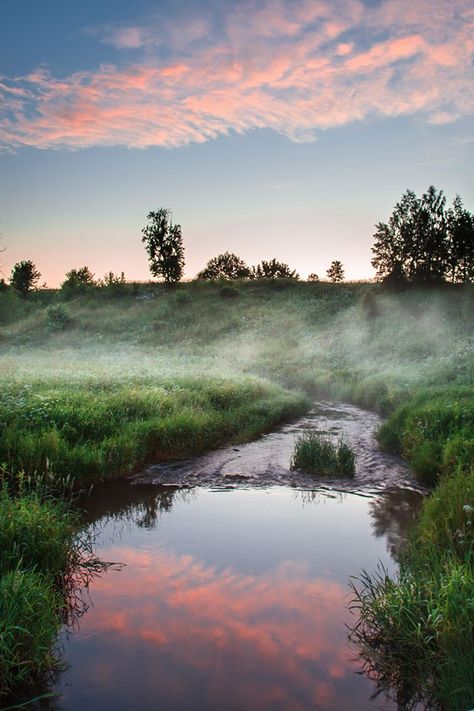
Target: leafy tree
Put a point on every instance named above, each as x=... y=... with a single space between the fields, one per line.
x=273 y=270
x=313 y=277
x=114 y=284
x=24 y=277
x=460 y=228
x=336 y=272
x=78 y=279
x=422 y=242
x=225 y=266
x=164 y=245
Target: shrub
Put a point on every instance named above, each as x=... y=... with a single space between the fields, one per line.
x=273 y=269
x=228 y=292
x=225 y=266
x=318 y=455
x=57 y=317
x=78 y=281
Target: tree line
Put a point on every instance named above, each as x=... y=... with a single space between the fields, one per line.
x=423 y=242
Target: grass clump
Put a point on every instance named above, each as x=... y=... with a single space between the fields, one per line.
x=316 y=454
x=36 y=535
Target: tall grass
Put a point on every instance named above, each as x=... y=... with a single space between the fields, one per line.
x=43 y=564
x=29 y=624
x=93 y=431
x=416 y=633
x=316 y=454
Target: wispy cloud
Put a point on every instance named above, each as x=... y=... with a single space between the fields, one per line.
x=295 y=67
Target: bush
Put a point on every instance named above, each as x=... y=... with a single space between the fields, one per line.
x=57 y=317
x=318 y=455
x=228 y=292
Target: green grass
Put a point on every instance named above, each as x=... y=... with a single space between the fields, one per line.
x=434 y=430
x=43 y=563
x=316 y=454
x=89 y=432
x=35 y=535
x=29 y=624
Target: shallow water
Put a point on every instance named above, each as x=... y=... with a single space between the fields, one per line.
x=234 y=594
x=265 y=462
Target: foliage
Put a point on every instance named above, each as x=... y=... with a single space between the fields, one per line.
x=164 y=245
x=313 y=277
x=273 y=270
x=24 y=277
x=316 y=454
x=336 y=272
x=225 y=266
x=78 y=280
x=57 y=317
x=423 y=242
x=460 y=232
x=114 y=284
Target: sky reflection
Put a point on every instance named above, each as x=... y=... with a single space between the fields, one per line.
x=176 y=629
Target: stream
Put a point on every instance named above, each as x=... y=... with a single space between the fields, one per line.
x=234 y=591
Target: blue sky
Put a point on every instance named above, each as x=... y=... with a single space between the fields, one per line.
x=283 y=129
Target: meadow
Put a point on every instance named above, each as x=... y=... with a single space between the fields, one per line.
x=101 y=383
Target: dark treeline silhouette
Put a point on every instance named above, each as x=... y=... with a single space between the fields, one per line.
x=230 y=266
x=24 y=277
x=424 y=242
x=336 y=272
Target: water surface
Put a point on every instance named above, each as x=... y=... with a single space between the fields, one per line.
x=234 y=594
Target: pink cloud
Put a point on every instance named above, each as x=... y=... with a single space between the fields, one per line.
x=292 y=67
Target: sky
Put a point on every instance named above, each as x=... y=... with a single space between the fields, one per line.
x=270 y=128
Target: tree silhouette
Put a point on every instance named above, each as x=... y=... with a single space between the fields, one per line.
x=24 y=277
x=273 y=270
x=225 y=266
x=422 y=242
x=313 y=277
x=78 y=279
x=164 y=245
x=336 y=272
x=460 y=227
